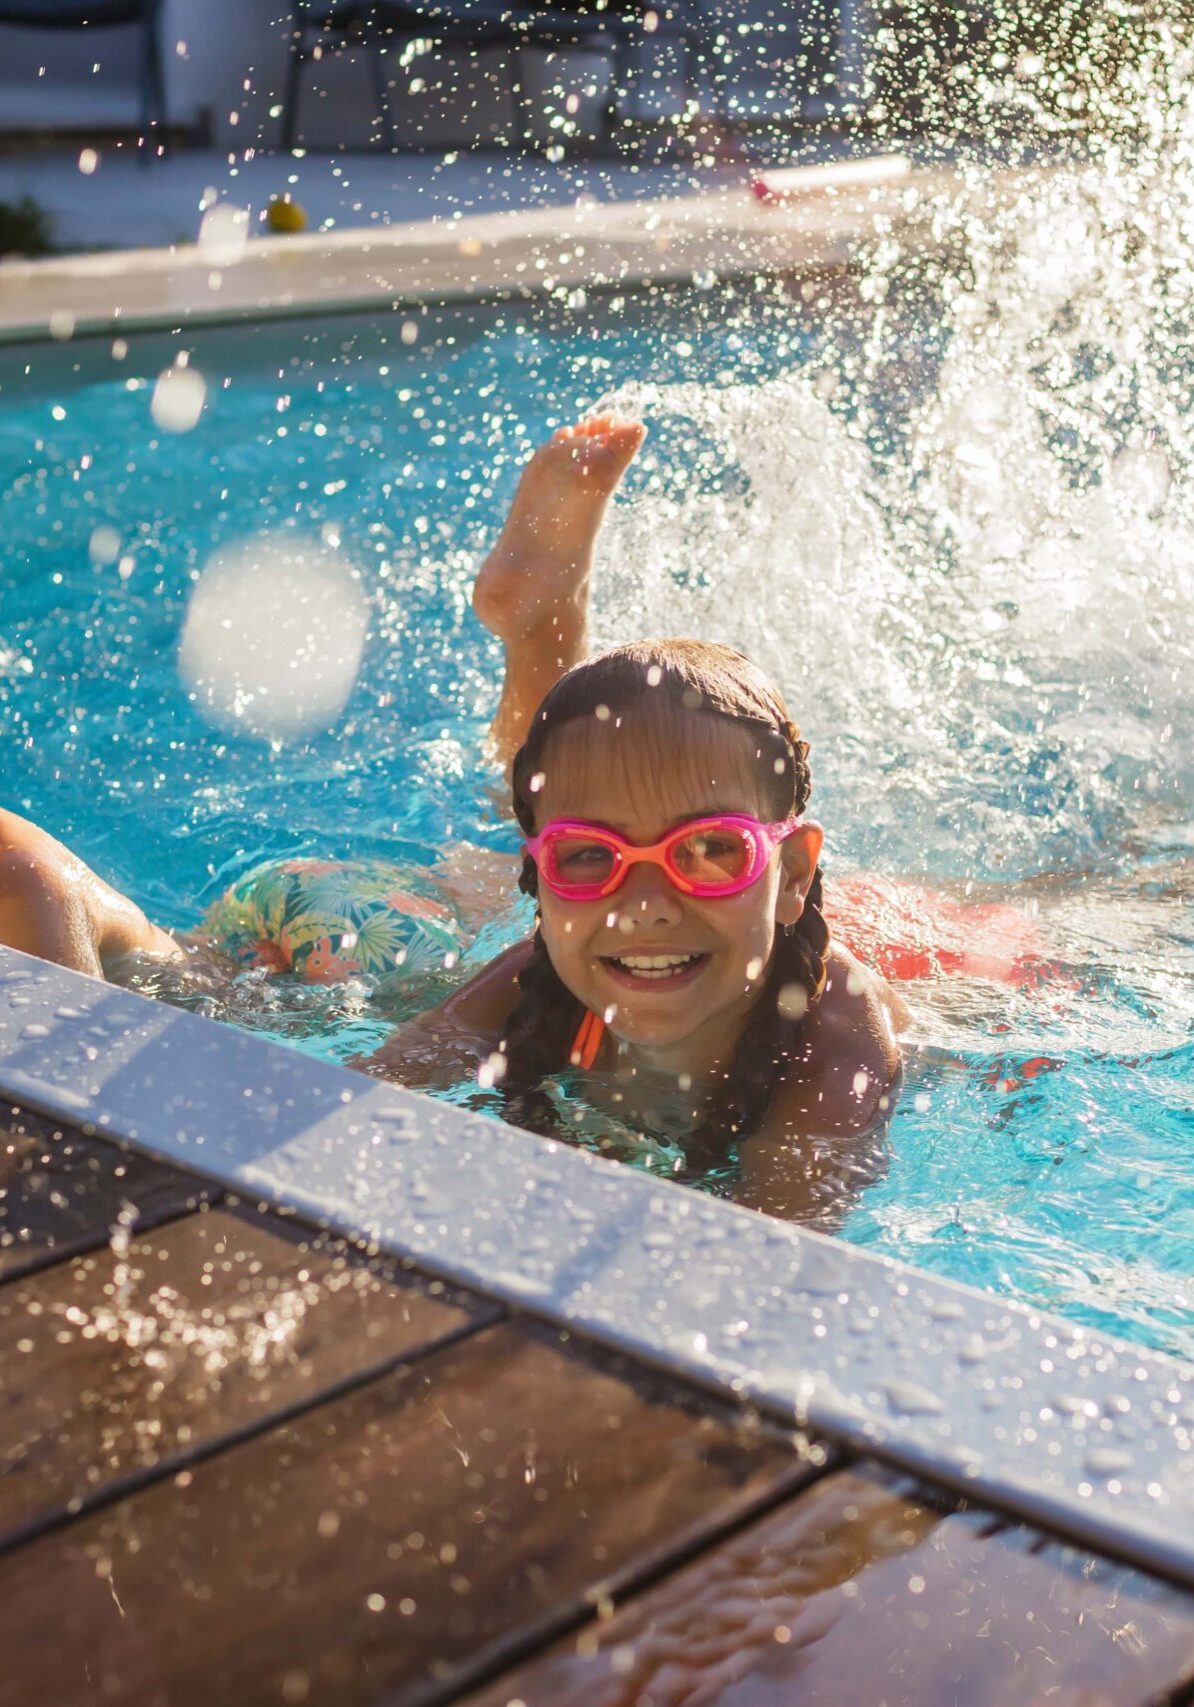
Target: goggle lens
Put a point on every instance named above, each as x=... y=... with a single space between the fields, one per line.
x=578 y=862
x=713 y=856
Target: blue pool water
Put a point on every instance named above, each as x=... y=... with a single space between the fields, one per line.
x=986 y=640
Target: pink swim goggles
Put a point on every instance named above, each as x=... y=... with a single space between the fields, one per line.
x=709 y=858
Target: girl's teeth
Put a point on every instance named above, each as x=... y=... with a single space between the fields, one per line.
x=653 y=965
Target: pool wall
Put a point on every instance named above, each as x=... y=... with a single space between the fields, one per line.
x=1084 y=1435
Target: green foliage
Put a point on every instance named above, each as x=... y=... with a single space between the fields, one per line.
x=24 y=228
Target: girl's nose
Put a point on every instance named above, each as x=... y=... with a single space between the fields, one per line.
x=647 y=898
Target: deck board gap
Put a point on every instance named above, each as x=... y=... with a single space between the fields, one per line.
x=644 y=1573
x=132 y=1482
x=209 y=1195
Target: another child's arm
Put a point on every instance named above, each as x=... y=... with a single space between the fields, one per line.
x=54 y=906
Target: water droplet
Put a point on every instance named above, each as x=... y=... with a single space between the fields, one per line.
x=104 y=545
x=1141 y=478
x=178 y=399
x=1107 y=1460
x=223 y=234
x=945 y=1309
x=273 y=637
x=909 y=1398
x=793 y=1001
x=492 y=1071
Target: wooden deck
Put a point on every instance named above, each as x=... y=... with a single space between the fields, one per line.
x=243 y=1462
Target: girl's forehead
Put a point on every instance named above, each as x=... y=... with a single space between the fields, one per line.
x=645 y=773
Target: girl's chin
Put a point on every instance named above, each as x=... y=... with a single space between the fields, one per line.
x=654 y=1012
x=650 y=1031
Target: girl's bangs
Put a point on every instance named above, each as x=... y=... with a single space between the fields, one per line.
x=633 y=707
x=658 y=755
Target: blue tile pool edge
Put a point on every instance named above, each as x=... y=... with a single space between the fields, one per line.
x=1077 y=1432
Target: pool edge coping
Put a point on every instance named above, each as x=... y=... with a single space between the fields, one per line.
x=1086 y=1436
x=549 y=251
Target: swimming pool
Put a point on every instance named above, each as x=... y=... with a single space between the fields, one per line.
x=980 y=618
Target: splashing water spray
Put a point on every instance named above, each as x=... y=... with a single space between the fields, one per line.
x=1010 y=593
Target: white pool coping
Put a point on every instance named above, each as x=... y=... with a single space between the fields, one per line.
x=586 y=246
x=1083 y=1434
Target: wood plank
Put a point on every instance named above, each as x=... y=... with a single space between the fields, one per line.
x=861 y=1591
x=384 y=1547
x=128 y=1360
x=61 y=1192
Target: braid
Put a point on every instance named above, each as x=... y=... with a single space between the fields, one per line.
x=772 y=1042
x=539 y=1032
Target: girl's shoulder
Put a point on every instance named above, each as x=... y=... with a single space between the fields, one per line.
x=856 y=996
x=448 y=1040
x=853 y=1059
x=486 y=1002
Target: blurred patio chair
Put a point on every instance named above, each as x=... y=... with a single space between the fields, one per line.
x=379 y=25
x=97 y=14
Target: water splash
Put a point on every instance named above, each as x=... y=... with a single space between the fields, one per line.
x=949 y=509
x=996 y=616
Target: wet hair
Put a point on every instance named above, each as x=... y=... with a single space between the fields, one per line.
x=643 y=681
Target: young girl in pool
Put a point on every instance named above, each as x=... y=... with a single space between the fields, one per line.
x=680 y=953
x=680 y=944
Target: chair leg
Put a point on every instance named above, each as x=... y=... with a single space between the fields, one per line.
x=294 y=75
x=524 y=114
x=381 y=94
x=153 y=94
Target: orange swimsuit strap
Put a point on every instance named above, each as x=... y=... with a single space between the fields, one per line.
x=587 y=1041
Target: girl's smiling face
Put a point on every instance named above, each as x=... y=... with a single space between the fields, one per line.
x=642 y=776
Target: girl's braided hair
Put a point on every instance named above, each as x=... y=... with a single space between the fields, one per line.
x=637 y=680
